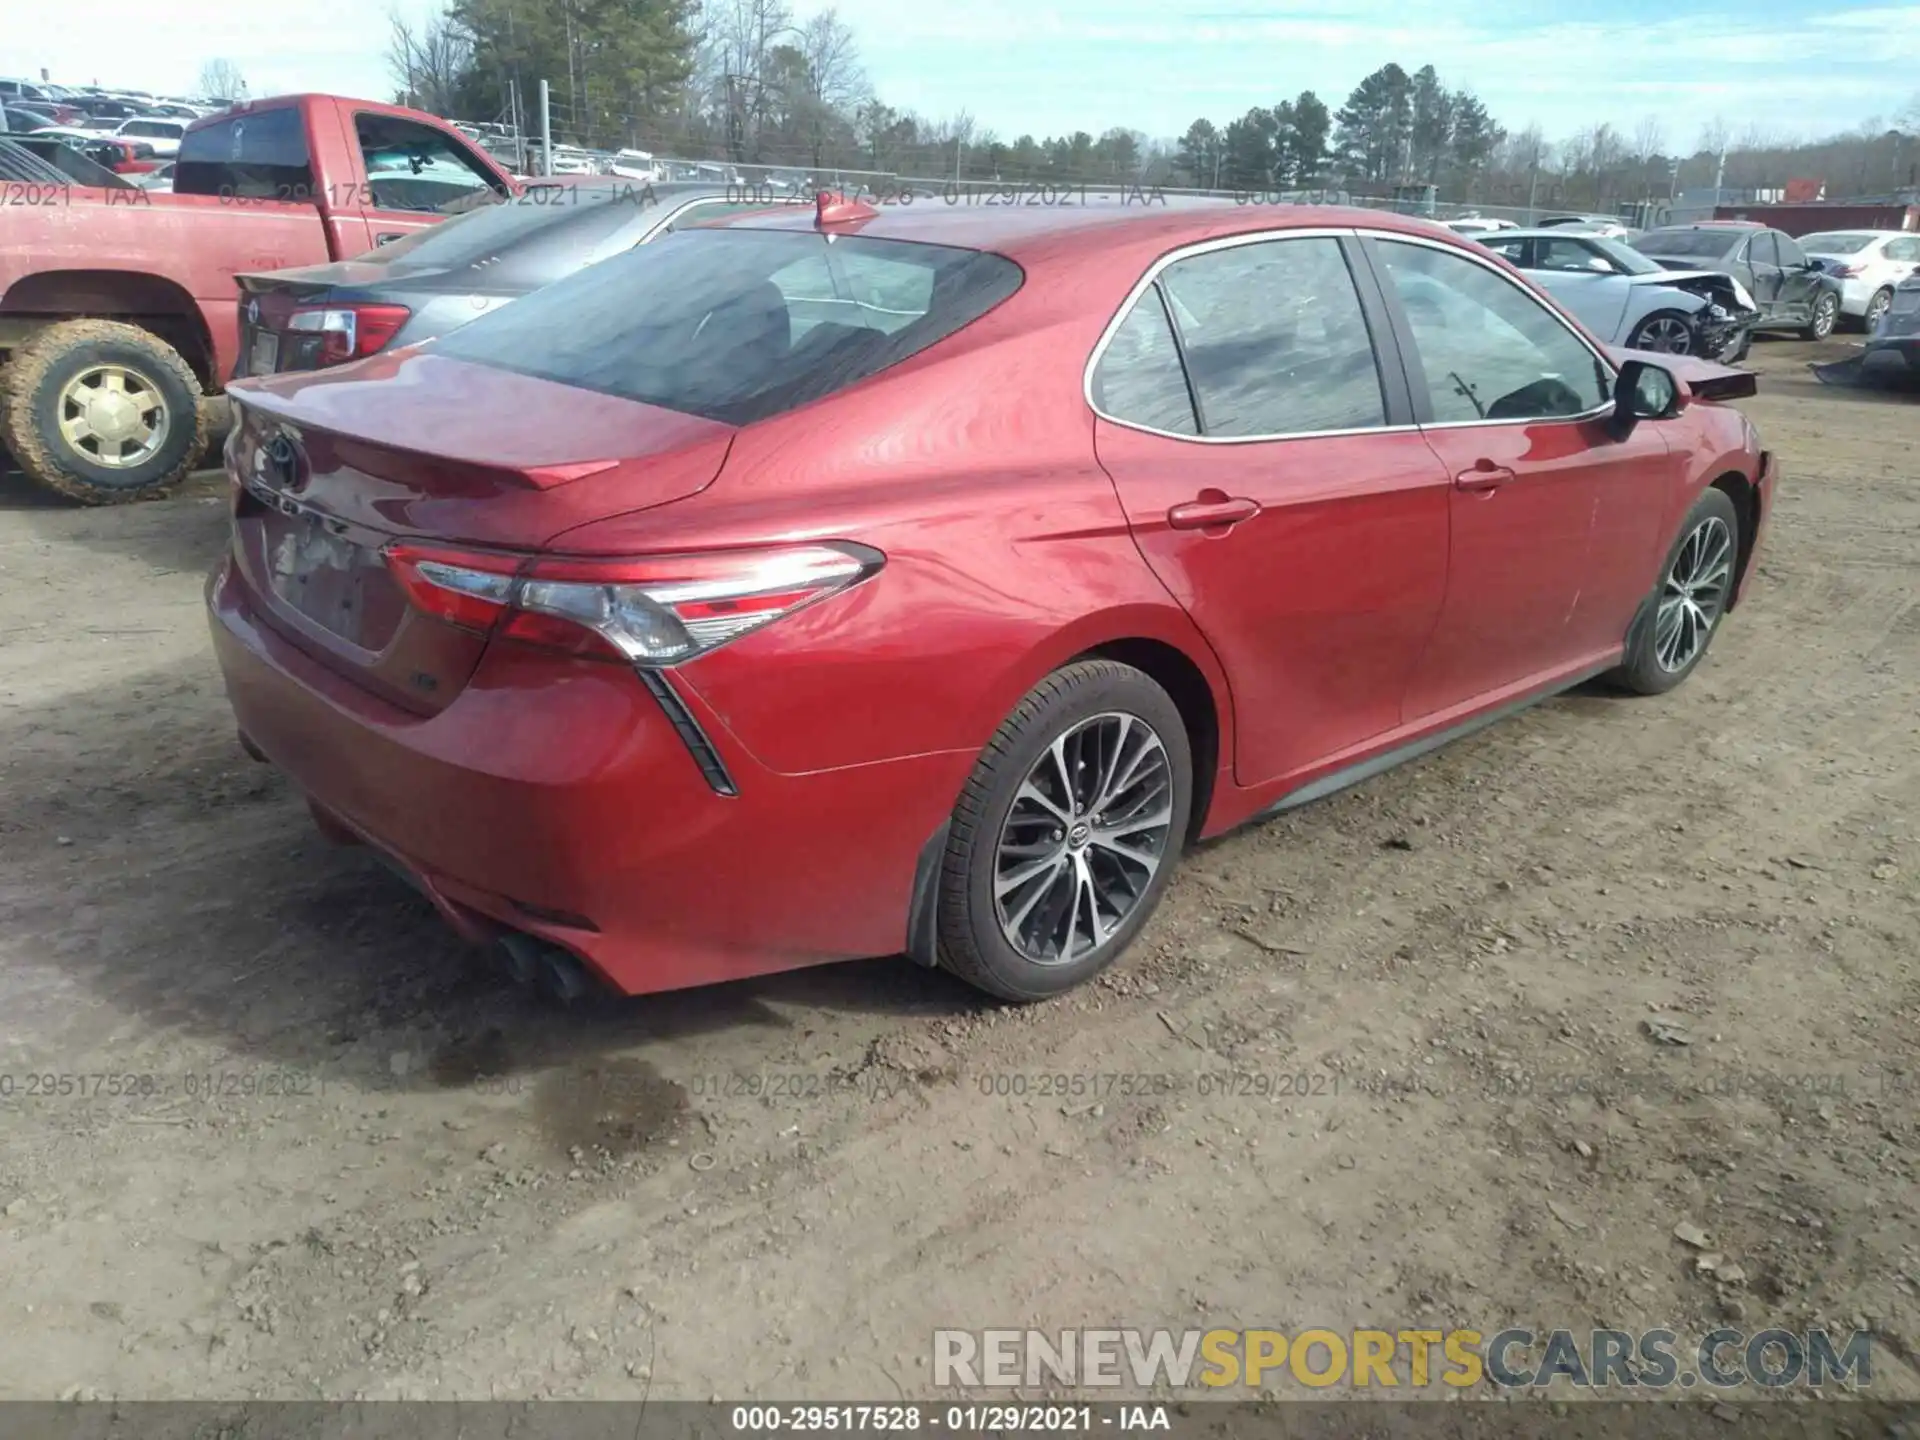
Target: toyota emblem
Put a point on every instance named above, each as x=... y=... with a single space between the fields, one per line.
x=283 y=462
x=253 y=312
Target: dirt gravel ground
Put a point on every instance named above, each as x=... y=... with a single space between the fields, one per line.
x=1430 y=998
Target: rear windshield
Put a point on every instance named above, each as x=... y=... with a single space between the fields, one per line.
x=1836 y=242
x=550 y=231
x=1708 y=244
x=739 y=324
x=256 y=155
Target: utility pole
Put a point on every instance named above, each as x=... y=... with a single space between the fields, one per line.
x=1720 y=173
x=546 y=130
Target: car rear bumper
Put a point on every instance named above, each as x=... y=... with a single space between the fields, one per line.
x=557 y=798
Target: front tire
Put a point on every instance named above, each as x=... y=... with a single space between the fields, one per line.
x=1681 y=617
x=1066 y=834
x=1665 y=332
x=102 y=413
x=1826 y=314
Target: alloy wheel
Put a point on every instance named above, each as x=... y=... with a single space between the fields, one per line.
x=1665 y=335
x=1087 y=831
x=1693 y=595
x=1876 y=307
x=113 y=416
x=1826 y=310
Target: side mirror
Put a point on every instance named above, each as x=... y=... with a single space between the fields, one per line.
x=1643 y=392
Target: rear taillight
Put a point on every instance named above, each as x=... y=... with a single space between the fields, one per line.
x=348 y=332
x=1848 y=272
x=655 y=610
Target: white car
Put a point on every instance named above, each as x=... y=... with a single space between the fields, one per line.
x=158 y=131
x=1868 y=264
x=1477 y=225
x=637 y=165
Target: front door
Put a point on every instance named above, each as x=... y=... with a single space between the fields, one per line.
x=1760 y=258
x=1513 y=404
x=1277 y=491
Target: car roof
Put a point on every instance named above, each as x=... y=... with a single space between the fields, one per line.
x=1020 y=231
x=1551 y=232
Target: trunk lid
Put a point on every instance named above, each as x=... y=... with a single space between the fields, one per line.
x=333 y=467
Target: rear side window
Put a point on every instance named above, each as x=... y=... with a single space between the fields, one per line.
x=1139 y=378
x=1705 y=244
x=738 y=325
x=1274 y=339
x=1789 y=252
x=257 y=155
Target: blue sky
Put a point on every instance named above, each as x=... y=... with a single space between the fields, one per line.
x=1051 y=66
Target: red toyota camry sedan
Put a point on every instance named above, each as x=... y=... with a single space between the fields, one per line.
x=833 y=583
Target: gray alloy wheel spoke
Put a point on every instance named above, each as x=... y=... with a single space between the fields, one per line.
x=1083 y=839
x=1693 y=594
x=1666 y=336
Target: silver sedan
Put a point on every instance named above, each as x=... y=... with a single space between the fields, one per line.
x=1628 y=300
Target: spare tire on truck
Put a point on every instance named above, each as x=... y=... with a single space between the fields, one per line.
x=101 y=412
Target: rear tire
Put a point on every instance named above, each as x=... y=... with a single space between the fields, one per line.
x=1826 y=314
x=1677 y=623
x=102 y=413
x=1066 y=834
x=1877 y=305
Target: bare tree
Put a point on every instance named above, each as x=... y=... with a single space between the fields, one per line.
x=834 y=73
x=222 y=79
x=1649 y=139
x=747 y=33
x=427 y=63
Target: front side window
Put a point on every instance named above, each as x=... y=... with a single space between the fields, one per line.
x=1513 y=251
x=1274 y=339
x=1489 y=351
x=1762 y=251
x=416 y=167
x=1791 y=255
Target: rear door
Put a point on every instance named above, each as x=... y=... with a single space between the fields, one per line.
x=1265 y=459
x=414 y=173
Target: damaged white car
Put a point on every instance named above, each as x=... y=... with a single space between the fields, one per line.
x=1631 y=301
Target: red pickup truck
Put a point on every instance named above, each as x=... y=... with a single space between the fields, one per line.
x=118 y=308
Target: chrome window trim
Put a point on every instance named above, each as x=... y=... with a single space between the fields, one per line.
x=1488 y=263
